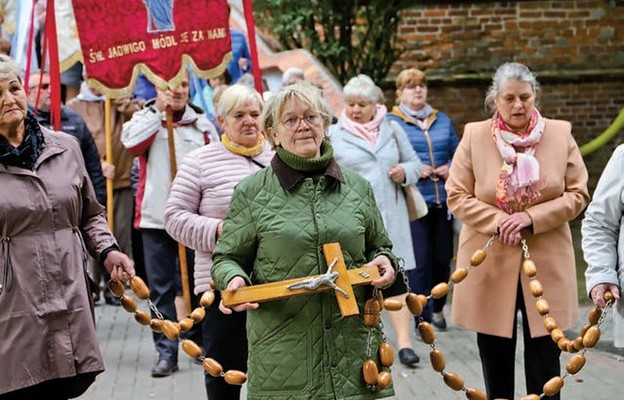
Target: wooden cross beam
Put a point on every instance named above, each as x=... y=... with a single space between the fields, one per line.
x=343 y=282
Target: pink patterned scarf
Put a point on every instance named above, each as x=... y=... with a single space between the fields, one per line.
x=517 y=186
x=369 y=130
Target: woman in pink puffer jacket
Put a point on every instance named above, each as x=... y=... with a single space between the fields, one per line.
x=196 y=206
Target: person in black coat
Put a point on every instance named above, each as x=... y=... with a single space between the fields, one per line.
x=71 y=123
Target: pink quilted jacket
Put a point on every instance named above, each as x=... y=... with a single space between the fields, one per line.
x=199 y=199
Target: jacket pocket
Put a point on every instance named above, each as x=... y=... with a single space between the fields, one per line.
x=281 y=361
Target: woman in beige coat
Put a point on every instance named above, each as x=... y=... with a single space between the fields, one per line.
x=49 y=219
x=520 y=176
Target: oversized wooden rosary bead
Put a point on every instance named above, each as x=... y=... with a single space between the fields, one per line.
x=380 y=300
x=575 y=364
x=186 y=324
x=170 y=330
x=371 y=313
x=531 y=397
x=550 y=324
x=542 y=307
x=607 y=296
x=453 y=381
x=578 y=343
x=553 y=386
x=212 y=367
x=570 y=347
x=393 y=304
x=477 y=258
x=556 y=335
x=128 y=304
x=234 y=377
x=191 y=348
x=156 y=324
x=475 y=394
x=529 y=268
x=386 y=355
x=198 y=314
x=383 y=381
x=591 y=336
x=563 y=344
x=139 y=288
x=459 y=275
x=594 y=316
x=437 y=360
x=536 y=288
x=439 y=290
x=117 y=288
x=142 y=317
x=425 y=330
x=207 y=298
x=584 y=330
x=414 y=304
x=370 y=372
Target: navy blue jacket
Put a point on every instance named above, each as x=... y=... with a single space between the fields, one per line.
x=435 y=147
x=73 y=124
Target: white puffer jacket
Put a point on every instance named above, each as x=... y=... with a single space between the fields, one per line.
x=603 y=235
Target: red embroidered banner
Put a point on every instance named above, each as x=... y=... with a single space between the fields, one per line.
x=120 y=38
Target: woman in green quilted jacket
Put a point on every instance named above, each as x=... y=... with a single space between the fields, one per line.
x=278 y=220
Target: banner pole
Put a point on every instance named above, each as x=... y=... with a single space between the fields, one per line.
x=186 y=292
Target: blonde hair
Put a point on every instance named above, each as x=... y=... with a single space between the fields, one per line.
x=302 y=91
x=362 y=86
x=234 y=96
x=9 y=67
x=410 y=75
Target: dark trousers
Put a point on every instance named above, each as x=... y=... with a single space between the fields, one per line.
x=498 y=355
x=161 y=265
x=225 y=340
x=432 y=240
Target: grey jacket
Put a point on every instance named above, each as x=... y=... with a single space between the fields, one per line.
x=354 y=152
x=603 y=235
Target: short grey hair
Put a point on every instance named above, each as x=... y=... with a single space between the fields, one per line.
x=9 y=68
x=362 y=86
x=235 y=96
x=303 y=91
x=510 y=71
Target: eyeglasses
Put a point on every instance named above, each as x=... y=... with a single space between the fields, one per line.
x=411 y=85
x=310 y=119
x=43 y=86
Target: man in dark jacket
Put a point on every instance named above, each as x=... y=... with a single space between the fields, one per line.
x=72 y=124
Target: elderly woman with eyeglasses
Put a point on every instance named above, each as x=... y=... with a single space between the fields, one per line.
x=274 y=230
x=433 y=137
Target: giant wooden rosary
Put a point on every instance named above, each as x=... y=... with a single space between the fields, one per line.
x=341 y=280
x=588 y=337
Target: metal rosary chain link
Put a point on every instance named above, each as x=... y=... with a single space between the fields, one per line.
x=153 y=307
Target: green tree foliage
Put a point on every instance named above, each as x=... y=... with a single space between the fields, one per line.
x=348 y=36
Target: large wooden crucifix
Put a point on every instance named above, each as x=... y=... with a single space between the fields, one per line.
x=337 y=278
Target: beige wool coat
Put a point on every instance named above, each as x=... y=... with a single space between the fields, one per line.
x=484 y=302
x=49 y=219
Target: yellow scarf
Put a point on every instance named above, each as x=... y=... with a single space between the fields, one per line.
x=242 y=150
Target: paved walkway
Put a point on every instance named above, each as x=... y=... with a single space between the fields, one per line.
x=129 y=355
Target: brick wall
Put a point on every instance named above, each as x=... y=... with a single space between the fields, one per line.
x=575 y=47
